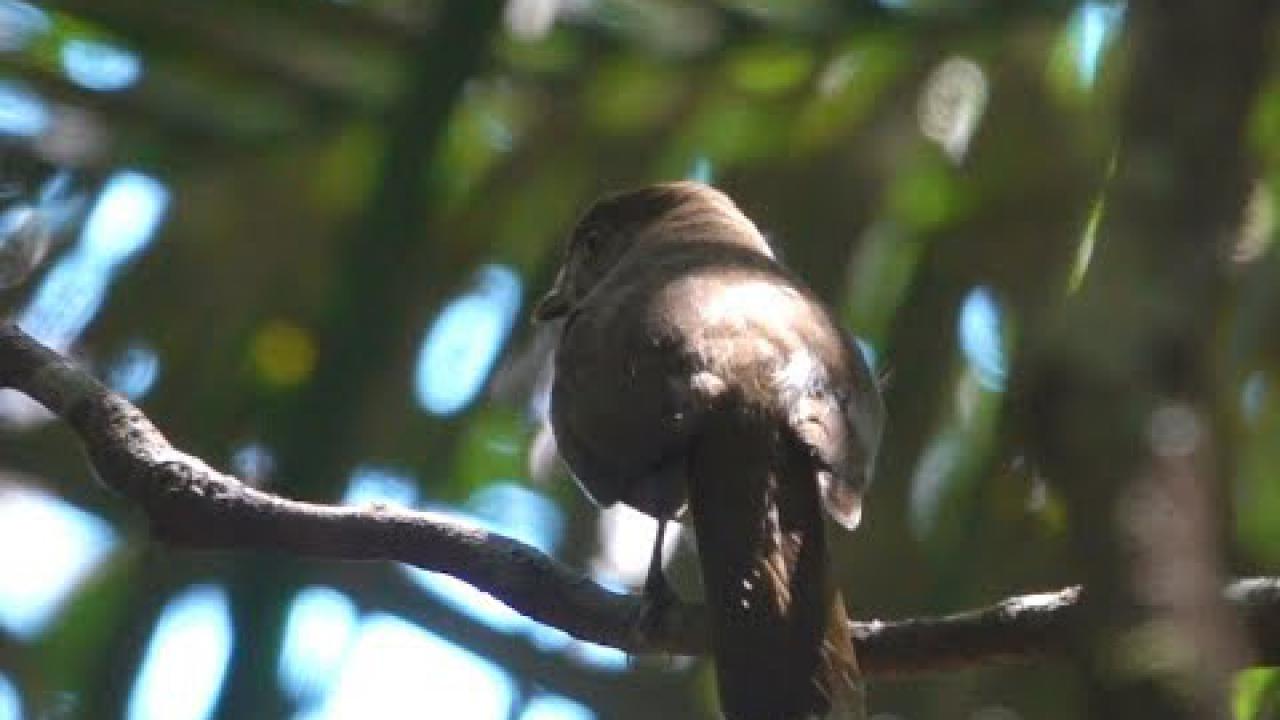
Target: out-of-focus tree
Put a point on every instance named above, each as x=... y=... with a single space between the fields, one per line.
x=303 y=238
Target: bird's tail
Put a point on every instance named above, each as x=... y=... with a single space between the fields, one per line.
x=779 y=631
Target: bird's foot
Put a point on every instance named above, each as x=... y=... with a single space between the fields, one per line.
x=656 y=599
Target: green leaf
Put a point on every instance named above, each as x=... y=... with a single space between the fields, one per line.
x=492 y=447
x=1256 y=695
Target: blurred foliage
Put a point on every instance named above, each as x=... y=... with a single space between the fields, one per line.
x=899 y=155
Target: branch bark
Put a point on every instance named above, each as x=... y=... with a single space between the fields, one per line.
x=188 y=503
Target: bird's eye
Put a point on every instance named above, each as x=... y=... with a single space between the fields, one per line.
x=591 y=239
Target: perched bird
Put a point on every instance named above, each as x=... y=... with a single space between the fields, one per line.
x=695 y=372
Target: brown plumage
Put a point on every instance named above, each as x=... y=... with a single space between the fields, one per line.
x=695 y=371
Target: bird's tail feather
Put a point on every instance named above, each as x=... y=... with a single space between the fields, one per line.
x=779 y=632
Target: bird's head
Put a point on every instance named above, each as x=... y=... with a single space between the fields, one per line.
x=617 y=223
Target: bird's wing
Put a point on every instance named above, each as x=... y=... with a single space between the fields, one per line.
x=620 y=411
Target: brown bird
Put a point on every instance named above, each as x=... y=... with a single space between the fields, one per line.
x=695 y=371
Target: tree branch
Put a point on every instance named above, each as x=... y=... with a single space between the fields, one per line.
x=189 y=503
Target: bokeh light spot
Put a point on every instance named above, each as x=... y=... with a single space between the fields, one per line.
x=702 y=170
x=599 y=657
x=125 y=218
x=463 y=342
x=399 y=670
x=47 y=546
x=318 y=632
x=626 y=545
x=954 y=98
x=135 y=372
x=1096 y=23
x=524 y=514
x=283 y=354
x=22 y=113
x=531 y=19
x=121 y=223
x=10 y=700
x=982 y=339
x=253 y=462
x=186 y=659
x=370 y=484
x=20 y=23
x=100 y=66
x=555 y=707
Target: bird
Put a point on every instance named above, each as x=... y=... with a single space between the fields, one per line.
x=696 y=376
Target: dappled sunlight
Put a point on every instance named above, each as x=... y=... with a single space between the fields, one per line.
x=358 y=198
x=980 y=330
x=10 y=699
x=100 y=66
x=598 y=657
x=134 y=372
x=122 y=222
x=626 y=544
x=49 y=547
x=20 y=23
x=701 y=170
x=514 y=511
x=319 y=632
x=22 y=112
x=371 y=484
x=89 y=62
x=186 y=658
x=520 y=512
x=462 y=344
x=1258 y=230
x=466 y=599
x=399 y=670
x=530 y=20
x=1096 y=24
x=253 y=463
x=951 y=105
x=555 y=707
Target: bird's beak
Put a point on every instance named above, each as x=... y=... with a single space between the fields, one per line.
x=550 y=307
x=554 y=304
